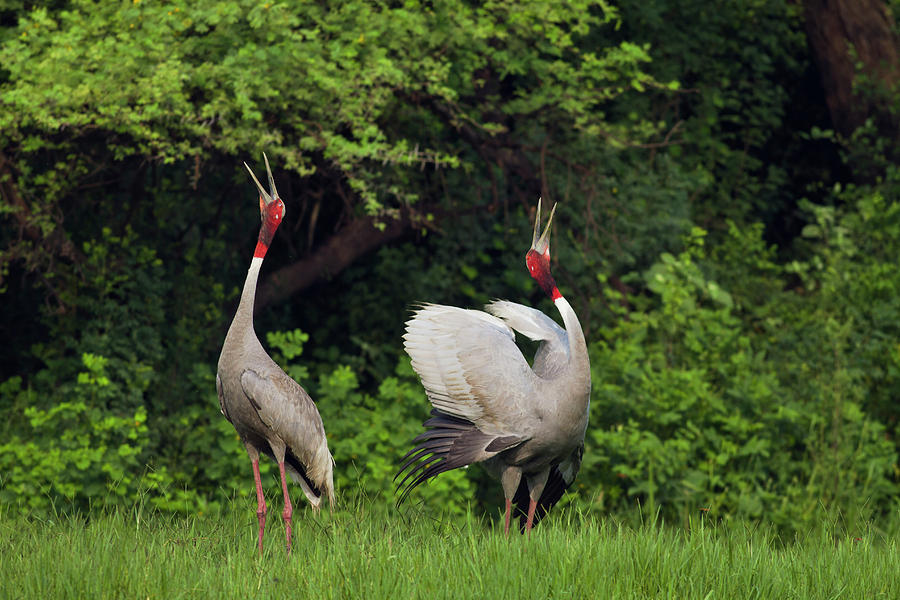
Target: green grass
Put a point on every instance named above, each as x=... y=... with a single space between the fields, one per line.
x=377 y=554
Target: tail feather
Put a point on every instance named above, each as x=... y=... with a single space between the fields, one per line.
x=450 y=443
x=316 y=482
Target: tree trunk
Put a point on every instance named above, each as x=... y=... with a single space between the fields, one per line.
x=856 y=49
x=352 y=241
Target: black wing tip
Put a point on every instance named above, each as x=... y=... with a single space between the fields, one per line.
x=301 y=469
x=431 y=455
x=428 y=468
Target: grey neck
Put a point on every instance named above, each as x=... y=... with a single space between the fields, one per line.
x=244 y=317
x=577 y=345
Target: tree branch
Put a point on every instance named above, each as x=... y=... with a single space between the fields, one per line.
x=357 y=238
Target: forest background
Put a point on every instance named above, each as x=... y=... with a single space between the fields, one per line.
x=728 y=230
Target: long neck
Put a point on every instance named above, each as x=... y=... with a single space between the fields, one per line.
x=578 y=355
x=542 y=275
x=243 y=319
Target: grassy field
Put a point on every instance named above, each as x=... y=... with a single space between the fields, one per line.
x=371 y=554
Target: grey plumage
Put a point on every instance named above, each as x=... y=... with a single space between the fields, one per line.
x=271 y=412
x=525 y=423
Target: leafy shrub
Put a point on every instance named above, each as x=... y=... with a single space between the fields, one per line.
x=77 y=452
x=690 y=411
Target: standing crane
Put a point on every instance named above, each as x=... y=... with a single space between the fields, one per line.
x=525 y=423
x=270 y=411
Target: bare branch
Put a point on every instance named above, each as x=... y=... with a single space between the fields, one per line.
x=352 y=241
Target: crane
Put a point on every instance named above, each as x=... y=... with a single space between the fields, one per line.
x=525 y=423
x=271 y=412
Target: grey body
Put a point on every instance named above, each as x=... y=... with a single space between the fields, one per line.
x=271 y=412
x=525 y=423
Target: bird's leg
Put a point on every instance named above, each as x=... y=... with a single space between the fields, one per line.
x=260 y=502
x=288 y=509
x=510 y=478
x=536 y=484
x=532 y=505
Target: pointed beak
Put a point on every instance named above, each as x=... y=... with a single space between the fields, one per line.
x=541 y=244
x=269 y=198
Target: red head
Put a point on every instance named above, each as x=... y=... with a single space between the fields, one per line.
x=537 y=259
x=271 y=211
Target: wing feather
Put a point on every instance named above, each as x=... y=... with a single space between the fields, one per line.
x=449 y=443
x=472 y=369
x=553 y=352
x=285 y=408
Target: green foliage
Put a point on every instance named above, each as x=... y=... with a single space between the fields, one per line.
x=739 y=113
x=285 y=346
x=120 y=295
x=188 y=79
x=368 y=434
x=75 y=453
x=694 y=410
x=84 y=432
x=202 y=460
x=740 y=300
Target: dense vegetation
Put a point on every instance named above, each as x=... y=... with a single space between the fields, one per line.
x=732 y=258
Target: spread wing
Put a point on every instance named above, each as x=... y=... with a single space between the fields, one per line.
x=285 y=408
x=472 y=369
x=553 y=351
x=482 y=389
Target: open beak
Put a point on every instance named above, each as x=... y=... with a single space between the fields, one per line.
x=269 y=198
x=541 y=244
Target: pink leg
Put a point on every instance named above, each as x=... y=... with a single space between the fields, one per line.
x=260 y=502
x=288 y=509
x=506 y=518
x=532 y=505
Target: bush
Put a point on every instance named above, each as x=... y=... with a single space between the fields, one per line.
x=695 y=407
x=76 y=453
